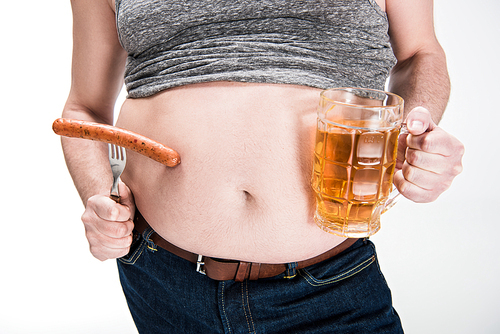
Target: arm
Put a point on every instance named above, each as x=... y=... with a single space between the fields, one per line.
x=97 y=77
x=420 y=75
x=432 y=157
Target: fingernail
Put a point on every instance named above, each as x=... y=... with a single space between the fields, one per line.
x=417 y=126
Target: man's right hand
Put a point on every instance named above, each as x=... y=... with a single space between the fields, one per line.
x=109 y=225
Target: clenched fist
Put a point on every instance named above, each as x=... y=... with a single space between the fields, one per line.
x=109 y=225
x=428 y=158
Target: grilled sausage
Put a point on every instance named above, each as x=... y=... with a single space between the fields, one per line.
x=118 y=136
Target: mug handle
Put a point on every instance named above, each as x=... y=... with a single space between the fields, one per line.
x=394 y=195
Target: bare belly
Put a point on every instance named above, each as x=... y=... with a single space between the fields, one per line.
x=242 y=189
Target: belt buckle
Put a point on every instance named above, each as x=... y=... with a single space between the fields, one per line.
x=199 y=265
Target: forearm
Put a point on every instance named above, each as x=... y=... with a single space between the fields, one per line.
x=87 y=160
x=422 y=80
x=96 y=80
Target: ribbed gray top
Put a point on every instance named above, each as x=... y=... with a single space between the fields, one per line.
x=323 y=44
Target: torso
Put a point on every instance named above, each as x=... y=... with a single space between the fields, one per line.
x=242 y=190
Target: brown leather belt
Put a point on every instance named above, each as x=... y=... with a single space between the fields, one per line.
x=222 y=270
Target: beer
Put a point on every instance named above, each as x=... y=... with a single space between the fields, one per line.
x=352 y=175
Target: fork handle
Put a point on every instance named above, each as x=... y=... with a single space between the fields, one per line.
x=115 y=198
x=114 y=192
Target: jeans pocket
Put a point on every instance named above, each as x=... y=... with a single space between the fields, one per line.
x=136 y=248
x=330 y=273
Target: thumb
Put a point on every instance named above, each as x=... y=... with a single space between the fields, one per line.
x=419 y=121
x=127 y=198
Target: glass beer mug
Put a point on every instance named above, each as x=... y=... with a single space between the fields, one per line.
x=355 y=159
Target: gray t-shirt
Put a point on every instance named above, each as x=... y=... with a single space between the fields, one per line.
x=323 y=44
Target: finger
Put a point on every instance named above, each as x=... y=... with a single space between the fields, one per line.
x=103 y=242
x=419 y=121
x=102 y=253
x=115 y=230
x=412 y=191
x=435 y=163
x=126 y=196
x=106 y=247
x=437 y=141
x=401 y=154
x=102 y=214
x=425 y=179
x=95 y=225
x=107 y=209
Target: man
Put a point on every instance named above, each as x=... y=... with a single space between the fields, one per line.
x=233 y=87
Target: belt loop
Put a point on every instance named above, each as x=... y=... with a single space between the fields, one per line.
x=242 y=272
x=291 y=270
x=147 y=236
x=254 y=271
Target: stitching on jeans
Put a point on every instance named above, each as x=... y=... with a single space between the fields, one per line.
x=250 y=312
x=224 y=308
x=245 y=306
x=147 y=236
x=316 y=282
x=153 y=249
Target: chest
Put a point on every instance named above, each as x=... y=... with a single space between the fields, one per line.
x=154 y=22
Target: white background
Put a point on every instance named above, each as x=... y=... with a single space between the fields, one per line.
x=442 y=260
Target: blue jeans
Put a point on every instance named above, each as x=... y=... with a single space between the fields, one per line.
x=344 y=294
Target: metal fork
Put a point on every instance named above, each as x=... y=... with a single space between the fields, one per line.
x=117 y=160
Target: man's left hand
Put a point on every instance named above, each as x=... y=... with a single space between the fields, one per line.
x=428 y=158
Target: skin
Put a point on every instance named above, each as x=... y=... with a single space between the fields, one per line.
x=227 y=195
